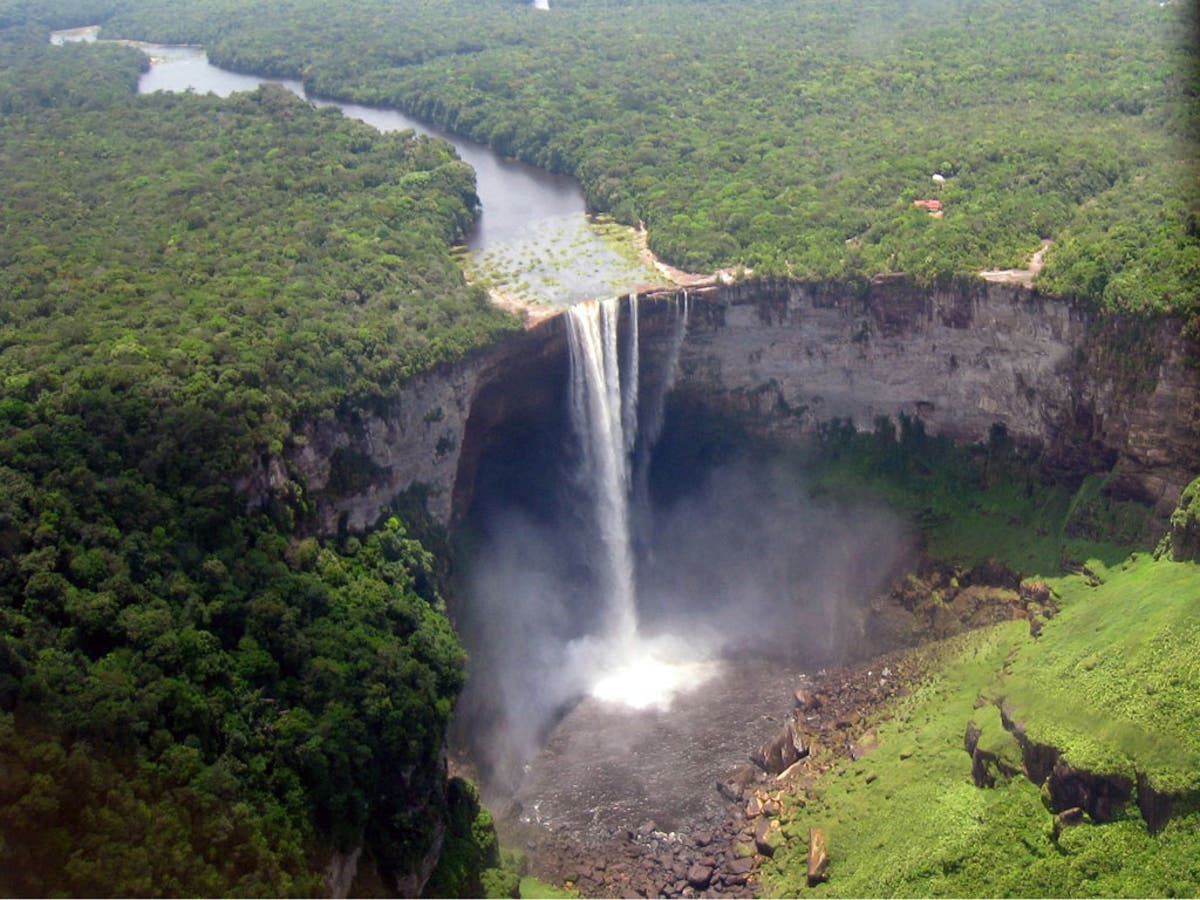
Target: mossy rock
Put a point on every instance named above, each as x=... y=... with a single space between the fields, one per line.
x=1184 y=536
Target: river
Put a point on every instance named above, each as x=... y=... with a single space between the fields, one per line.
x=533 y=238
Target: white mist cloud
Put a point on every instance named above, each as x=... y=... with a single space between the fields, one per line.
x=745 y=565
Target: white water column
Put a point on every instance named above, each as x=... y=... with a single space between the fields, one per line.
x=605 y=420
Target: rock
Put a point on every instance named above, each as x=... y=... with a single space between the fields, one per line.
x=766 y=838
x=1072 y=816
x=772 y=808
x=1065 y=819
x=987 y=766
x=699 y=876
x=1034 y=592
x=971 y=737
x=806 y=700
x=1100 y=796
x=743 y=850
x=944 y=622
x=734 y=785
x=993 y=573
x=702 y=838
x=818 y=857
x=743 y=865
x=786 y=748
x=795 y=769
x=1156 y=808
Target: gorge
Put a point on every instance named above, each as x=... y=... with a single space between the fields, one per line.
x=724 y=547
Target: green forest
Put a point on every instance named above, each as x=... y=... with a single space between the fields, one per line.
x=793 y=138
x=192 y=699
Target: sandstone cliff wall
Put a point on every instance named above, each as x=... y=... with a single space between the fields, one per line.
x=786 y=357
x=790 y=356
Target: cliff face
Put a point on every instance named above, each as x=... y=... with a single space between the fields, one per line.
x=352 y=465
x=785 y=357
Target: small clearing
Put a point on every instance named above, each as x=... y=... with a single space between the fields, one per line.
x=1019 y=276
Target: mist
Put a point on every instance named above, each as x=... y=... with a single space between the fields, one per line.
x=735 y=561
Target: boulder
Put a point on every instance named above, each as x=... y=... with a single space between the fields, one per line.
x=743 y=850
x=806 y=700
x=743 y=865
x=1065 y=819
x=766 y=838
x=779 y=753
x=699 y=876
x=734 y=785
x=818 y=857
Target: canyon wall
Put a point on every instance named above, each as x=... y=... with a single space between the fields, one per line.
x=785 y=357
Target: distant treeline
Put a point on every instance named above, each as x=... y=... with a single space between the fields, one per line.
x=193 y=699
x=794 y=138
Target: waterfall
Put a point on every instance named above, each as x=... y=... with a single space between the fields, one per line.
x=626 y=668
x=606 y=433
x=629 y=397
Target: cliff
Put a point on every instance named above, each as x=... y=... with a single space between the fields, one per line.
x=1088 y=394
x=784 y=357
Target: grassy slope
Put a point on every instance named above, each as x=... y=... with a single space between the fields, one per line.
x=1113 y=681
x=921 y=827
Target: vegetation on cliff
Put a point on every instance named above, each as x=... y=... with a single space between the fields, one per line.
x=794 y=138
x=1106 y=689
x=192 y=699
x=1110 y=682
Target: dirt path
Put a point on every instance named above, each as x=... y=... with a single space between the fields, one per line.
x=1019 y=276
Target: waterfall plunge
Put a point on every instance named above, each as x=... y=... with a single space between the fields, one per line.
x=605 y=419
x=632 y=669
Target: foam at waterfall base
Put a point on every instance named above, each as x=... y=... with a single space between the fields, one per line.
x=646 y=673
